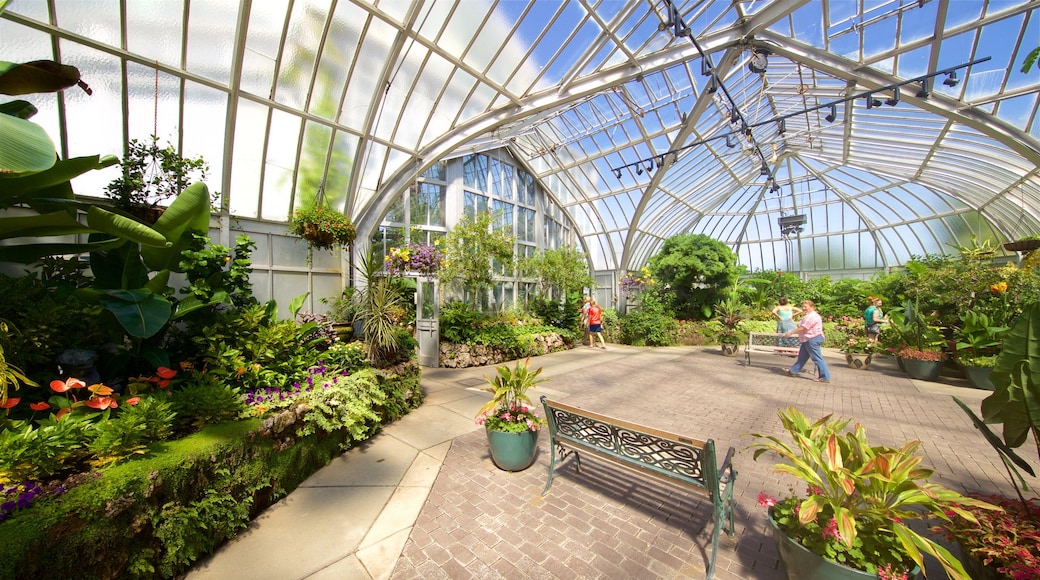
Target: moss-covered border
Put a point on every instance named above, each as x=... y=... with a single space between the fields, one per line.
x=153 y=517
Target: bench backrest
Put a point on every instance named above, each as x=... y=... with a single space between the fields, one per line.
x=664 y=454
x=767 y=339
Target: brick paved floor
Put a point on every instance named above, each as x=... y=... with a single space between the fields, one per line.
x=480 y=522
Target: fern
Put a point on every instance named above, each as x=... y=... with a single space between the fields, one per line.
x=345 y=403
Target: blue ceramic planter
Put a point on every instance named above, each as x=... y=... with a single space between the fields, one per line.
x=513 y=451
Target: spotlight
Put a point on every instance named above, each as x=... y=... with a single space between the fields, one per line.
x=894 y=99
x=660 y=161
x=706 y=69
x=951 y=79
x=730 y=141
x=745 y=129
x=764 y=170
x=617 y=173
x=872 y=102
x=781 y=127
x=675 y=157
x=759 y=60
x=775 y=188
x=639 y=169
x=734 y=116
x=830 y=117
x=713 y=85
x=926 y=89
x=649 y=165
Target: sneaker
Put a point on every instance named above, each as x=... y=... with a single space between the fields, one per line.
x=789 y=373
x=823 y=380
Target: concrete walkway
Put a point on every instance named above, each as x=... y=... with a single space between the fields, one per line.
x=423 y=500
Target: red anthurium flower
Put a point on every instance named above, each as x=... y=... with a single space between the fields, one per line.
x=64 y=412
x=11 y=402
x=166 y=373
x=164 y=384
x=41 y=406
x=133 y=401
x=102 y=403
x=69 y=383
x=100 y=390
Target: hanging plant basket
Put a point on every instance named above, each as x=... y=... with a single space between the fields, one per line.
x=323 y=228
x=1022 y=245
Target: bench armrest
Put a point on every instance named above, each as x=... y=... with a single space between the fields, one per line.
x=726 y=469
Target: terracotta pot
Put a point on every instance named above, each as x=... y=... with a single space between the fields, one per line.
x=730 y=349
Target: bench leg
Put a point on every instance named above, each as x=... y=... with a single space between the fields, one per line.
x=552 y=468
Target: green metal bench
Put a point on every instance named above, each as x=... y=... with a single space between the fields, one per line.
x=683 y=462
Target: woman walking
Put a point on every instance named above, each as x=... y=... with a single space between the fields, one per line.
x=810 y=333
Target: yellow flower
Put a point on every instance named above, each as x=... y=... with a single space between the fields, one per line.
x=999 y=287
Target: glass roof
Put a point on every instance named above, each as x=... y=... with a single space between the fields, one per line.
x=637 y=129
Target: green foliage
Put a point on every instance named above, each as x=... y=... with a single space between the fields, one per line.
x=611 y=325
x=565 y=269
x=651 y=325
x=856 y=490
x=214 y=274
x=345 y=403
x=382 y=309
x=459 y=321
x=344 y=308
x=118 y=439
x=509 y=409
x=152 y=174
x=205 y=399
x=1015 y=402
x=698 y=272
x=190 y=531
x=564 y=314
x=322 y=227
x=471 y=249
x=155 y=413
x=36 y=454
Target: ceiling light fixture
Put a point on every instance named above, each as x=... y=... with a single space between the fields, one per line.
x=617 y=173
x=830 y=117
x=894 y=99
x=713 y=85
x=706 y=68
x=730 y=141
x=781 y=127
x=759 y=60
x=951 y=79
x=764 y=170
x=872 y=102
x=734 y=116
x=926 y=89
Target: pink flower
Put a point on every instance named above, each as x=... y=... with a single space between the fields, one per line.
x=831 y=531
x=765 y=500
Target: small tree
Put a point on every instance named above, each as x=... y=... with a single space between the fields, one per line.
x=470 y=250
x=697 y=271
x=565 y=269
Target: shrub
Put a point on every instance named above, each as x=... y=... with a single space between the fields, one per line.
x=458 y=322
x=649 y=326
x=205 y=399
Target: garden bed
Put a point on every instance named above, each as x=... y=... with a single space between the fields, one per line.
x=457 y=356
x=153 y=517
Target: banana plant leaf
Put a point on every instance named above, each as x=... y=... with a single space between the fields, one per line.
x=118 y=269
x=38 y=190
x=61 y=223
x=38 y=76
x=1015 y=401
x=189 y=211
x=29 y=253
x=24 y=146
x=142 y=313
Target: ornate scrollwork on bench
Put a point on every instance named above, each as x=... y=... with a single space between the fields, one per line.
x=685 y=462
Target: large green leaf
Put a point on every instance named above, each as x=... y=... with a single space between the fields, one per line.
x=59 y=223
x=24 y=146
x=30 y=188
x=1015 y=401
x=39 y=76
x=190 y=211
x=107 y=222
x=29 y=253
x=141 y=312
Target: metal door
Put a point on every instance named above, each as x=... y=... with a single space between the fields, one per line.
x=426 y=329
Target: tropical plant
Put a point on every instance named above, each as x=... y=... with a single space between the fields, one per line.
x=11 y=377
x=1007 y=540
x=977 y=338
x=381 y=309
x=471 y=250
x=635 y=282
x=322 y=227
x=855 y=341
x=566 y=269
x=510 y=408
x=859 y=497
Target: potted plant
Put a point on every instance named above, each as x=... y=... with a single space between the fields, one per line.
x=511 y=423
x=729 y=312
x=978 y=340
x=420 y=258
x=1024 y=244
x=922 y=358
x=151 y=175
x=859 y=500
x=323 y=227
x=858 y=350
x=999 y=544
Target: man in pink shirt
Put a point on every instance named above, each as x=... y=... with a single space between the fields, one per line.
x=810 y=333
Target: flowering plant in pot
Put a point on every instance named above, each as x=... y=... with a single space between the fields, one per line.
x=858 y=500
x=511 y=423
x=425 y=259
x=1005 y=542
